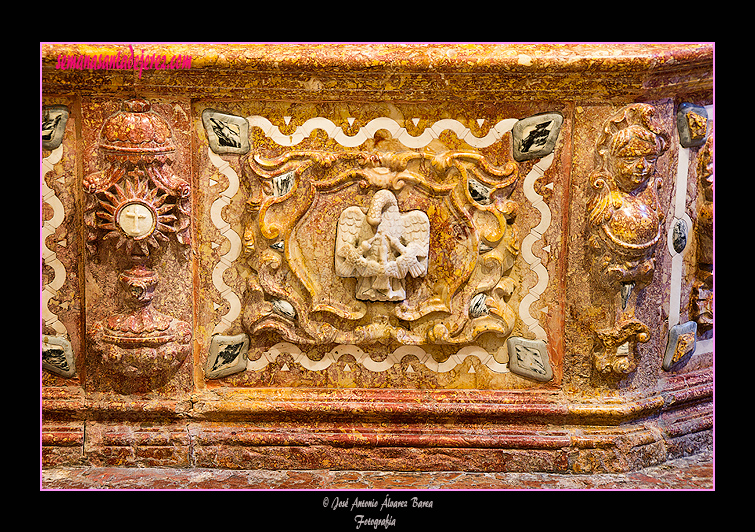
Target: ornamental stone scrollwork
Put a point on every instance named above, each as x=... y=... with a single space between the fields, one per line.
x=702 y=289
x=624 y=221
x=226 y=133
x=692 y=124
x=341 y=249
x=529 y=358
x=535 y=136
x=137 y=205
x=681 y=342
x=227 y=355
x=57 y=356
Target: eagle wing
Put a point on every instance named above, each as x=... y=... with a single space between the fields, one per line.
x=417 y=236
x=349 y=227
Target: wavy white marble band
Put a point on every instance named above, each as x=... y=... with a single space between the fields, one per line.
x=535 y=234
x=49 y=256
x=233 y=237
x=364 y=359
x=368 y=131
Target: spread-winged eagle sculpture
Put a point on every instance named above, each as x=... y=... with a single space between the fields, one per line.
x=380 y=246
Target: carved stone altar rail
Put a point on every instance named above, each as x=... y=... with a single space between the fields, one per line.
x=477 y=257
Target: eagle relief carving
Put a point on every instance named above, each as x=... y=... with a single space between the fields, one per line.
x=380 y=246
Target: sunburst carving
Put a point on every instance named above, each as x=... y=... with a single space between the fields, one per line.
x=138 y=217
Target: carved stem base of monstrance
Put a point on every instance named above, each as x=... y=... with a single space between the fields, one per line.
x=140 y=346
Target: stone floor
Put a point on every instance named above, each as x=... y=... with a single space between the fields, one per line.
x=694 y=472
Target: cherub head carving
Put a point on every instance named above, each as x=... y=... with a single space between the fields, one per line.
x=629 y=147
x=624 y=213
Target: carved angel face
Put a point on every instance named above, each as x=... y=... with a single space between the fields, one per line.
x=633 y=157
x=136 y=216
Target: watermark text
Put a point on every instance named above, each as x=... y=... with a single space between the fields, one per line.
x=384 y=519
x=124 y=61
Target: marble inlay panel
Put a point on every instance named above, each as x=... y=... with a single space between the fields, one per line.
x=269 y=255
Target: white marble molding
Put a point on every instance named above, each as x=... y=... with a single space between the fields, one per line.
x=367 y=131
x=226 y=260
x=49 y=256
x=677 y=259
x=536 y=234
x=367 y=362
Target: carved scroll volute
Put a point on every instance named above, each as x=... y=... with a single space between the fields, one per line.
x=624 y=223
x=136 y=206
x=484 y=194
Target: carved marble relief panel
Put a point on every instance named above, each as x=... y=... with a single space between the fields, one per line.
x=380 y=245
x=137 y=230
x=625 y=224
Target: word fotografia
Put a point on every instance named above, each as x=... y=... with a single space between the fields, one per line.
x=384 y=522
x=123 y=61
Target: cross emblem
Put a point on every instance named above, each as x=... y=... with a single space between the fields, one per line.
x=132 y=217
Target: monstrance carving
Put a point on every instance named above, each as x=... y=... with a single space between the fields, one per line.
x=624 y=222
x=138 y=205
x=340 y=247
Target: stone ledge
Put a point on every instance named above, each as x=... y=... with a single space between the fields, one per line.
x=620 y=72
x=397 y=405
x=694 y=472
x=613 y=434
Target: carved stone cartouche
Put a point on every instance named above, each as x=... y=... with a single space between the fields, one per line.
x=138 y=205
x=624 y=223
x=340 y=249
